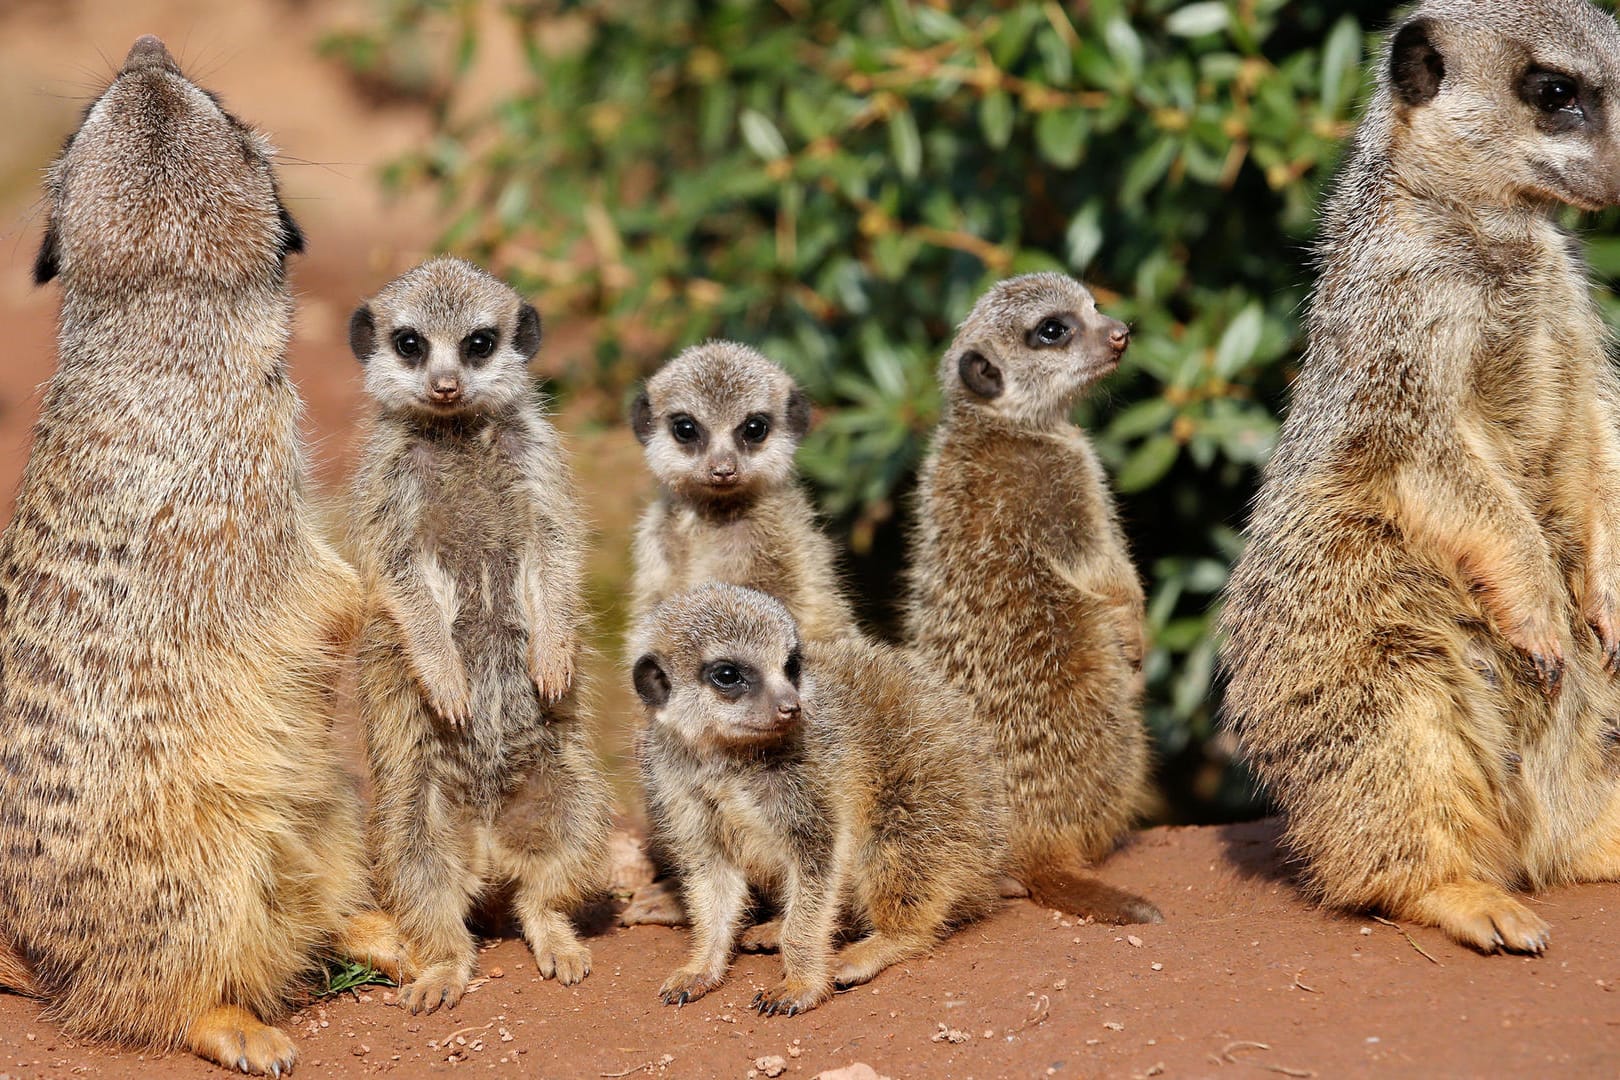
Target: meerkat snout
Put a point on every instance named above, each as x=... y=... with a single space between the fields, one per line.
x=446 y=389
x=1119 y=337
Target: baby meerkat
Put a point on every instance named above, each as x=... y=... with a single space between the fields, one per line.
x=469 y=539
x=1418 y=630
x=837 y=776
x=1022 y=588
x=720 y=424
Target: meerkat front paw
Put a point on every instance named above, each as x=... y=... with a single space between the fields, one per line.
x=450 y=697
x=1540 y=644
x=1485 y=917
x=566 y=961
x=791 y=997
x=688 y=984
x=551 y=666
x=439 y=985
x=237 y=1039
x=372 y=938
x=1603 y=615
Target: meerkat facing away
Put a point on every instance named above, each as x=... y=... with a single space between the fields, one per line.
x=1022 y=590
x=180 y=837
x=1418 y=630
x=837 y=775
x=472 y=548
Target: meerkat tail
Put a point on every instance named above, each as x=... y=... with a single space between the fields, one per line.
x=16 y=974
x=1078 y=894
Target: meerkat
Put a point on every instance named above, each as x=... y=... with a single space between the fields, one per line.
x=1022 y=589
x=840 y=776
x=719 y=425
x=180 y=838
x=471 y=546
x=1418 y=632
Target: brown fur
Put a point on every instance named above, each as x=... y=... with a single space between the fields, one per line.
x=1418 y=630
x=850 y=786
x=179 y=839
x=1022 y=589
x=466 y=527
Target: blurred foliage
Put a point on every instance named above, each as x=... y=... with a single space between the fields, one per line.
x=836 y=182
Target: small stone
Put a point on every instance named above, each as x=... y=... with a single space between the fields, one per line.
x=774 y=1065
x=1133 y=941
x=1366 y=931
x=1113 y=1025
x=497 y=973
x=1157 y=967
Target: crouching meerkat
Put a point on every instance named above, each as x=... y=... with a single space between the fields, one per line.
x=719 y=425
x=844 y=778
x=472 y=550
x=1022 y=591
x=1418 y=630
x=180 y=840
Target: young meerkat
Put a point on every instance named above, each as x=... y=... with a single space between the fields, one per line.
x=838 y=776
x=181 y=840
x=471 y=545
x=719 y=424
x=1418 y=630
x=1022 y=590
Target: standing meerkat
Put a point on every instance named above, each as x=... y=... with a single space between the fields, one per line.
x=1418 y=630
x=180 y=838
x=719 y=424
x=839 y=776
x=472 y=549
x=1022 y=589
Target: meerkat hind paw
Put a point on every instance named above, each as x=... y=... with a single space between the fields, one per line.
x=762 y=937
x=1486 y=918
x=236 y=1039
x=440 y=985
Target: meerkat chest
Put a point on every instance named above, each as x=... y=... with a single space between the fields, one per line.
x=703 y=550
x=760 y=829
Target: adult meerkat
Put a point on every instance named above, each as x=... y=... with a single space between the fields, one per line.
x=839 y=776
x=1418 y=630
x=180 y=839
x=719 y=424
x=470 y=541
x=1022 y=590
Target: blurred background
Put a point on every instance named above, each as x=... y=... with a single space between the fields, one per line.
x=834 y=182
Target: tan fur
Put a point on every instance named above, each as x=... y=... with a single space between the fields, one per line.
x=848 y=784
x=472 y=544
x=180 y=839
x=1418 y=630
x=1022 y=590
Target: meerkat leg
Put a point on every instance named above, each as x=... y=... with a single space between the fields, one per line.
x=553 y=643
x=1599 y=496
x=238 y=1040
x=544 y=883
x=1601 y=860
x=762 y=937
x=809 y=919
x=421 y=601
x=372 y=937
x=655 y=904
x=1482 y=915
x=861 y=962
x=716 y=899
x=426 y=882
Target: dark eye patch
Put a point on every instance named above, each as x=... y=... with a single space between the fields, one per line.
x=752 y=431
x=479 y=345
x=793 y=667
x=731 y=678
x=687 y=432
x=1561 y=102
x=1052 y=332
x=409 y=346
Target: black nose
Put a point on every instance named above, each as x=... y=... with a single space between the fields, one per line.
x=446 y=388
x=149 y=51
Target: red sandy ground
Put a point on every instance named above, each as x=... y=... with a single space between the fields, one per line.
x=1242 y=979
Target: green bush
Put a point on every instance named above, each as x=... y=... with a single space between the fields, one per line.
x=836 y=182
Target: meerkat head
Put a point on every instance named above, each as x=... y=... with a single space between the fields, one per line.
x=719 y=666
x=1502 y=102
x=1029 y=347
x=161 y=186
x=720 y=422
x=445 y=339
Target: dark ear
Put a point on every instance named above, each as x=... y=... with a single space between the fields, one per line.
x=292 y=237
x=979 y=374
x=798 y=413
x=362 y=333
x=652 y=685
x=1416 y=67
x=527 y=341
x=641 y=418
x=45 y=266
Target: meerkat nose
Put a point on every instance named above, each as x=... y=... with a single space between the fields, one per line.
x=149 y=51
x=721 y=470
x=1119 y=337
x=446 y=388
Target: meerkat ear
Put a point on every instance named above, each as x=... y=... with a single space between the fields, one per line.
x=292 y=237
x=641 y=418
x=798 y=413
x=979 y=374
x=527 y=340
x=45 y=264
x=1416 y=68
x=362 y=333
x=652 y=685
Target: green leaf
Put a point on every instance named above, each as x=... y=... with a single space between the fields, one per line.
x=1239 y=341
x=1060 y=135
x=1196 y=20
x=1341 y=57
x=1125 y=45
x=1148 y=464
x=1140 y=419
x=761 y=135
x=996 y=118
x=905 y=143
x=1085 y=235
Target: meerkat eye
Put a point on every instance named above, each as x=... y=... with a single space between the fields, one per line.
x=479 y=344
x=1555 y=94
x=684 y=428
x=792 y=668
x=1052 y=331
x=726 y=677
x=408 y=344
x=1552 y=92
x=755 y=428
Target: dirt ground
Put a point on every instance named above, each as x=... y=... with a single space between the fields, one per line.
x=1242 y=979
